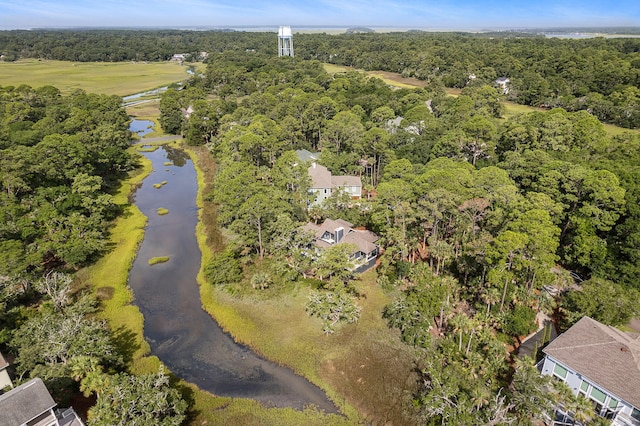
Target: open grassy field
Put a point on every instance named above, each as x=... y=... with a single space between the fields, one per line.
x=111 y=78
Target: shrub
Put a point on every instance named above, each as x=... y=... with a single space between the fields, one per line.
x=520 y=321
x=224 y=268
x=332 y=307
x=261 y=280
x=105 y=293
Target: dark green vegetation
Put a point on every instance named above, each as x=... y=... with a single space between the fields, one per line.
x=123 y=45
x=61 y=159
x=601 y=75
x=478 y=212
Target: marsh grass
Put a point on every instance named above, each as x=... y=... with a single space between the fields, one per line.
x=162 y=211
x=108 y=277
x=147 y=110
x=364 y=367
x=111 y=78
x=160 y=185
x=146 y=148
x=158 y=259
x=168 y=163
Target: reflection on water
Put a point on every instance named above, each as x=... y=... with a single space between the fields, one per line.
x=141 y=127
x=180 y=333
x=177 y=157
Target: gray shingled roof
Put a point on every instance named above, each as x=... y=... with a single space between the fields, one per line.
x=602 y=354
x=329 y=225
x=25 y=402
x=320 y=176
x=360 y=242
x=339 y=181
x=363 y=239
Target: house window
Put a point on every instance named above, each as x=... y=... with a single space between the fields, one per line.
x=598 y=395
x=560 y=371
x=584 y=387
x=610 y=412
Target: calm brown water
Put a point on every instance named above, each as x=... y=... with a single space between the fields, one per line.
x=180 y=333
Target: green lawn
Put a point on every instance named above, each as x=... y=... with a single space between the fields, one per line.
x=111 y=78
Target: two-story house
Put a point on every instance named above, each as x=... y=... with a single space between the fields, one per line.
x=603 y=364
x=338 y=231
x=31 y=404
x=323 y=183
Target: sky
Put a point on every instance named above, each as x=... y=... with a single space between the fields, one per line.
x=436 y=15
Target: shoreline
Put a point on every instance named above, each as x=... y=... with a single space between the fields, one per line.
x=108 y=281
x=352 y=367
x=211 y=304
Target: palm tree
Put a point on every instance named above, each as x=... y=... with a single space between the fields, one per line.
x=582 y=409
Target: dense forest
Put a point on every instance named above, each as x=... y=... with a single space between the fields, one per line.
x=61 y=159
x=480 y=214
x=600 y=75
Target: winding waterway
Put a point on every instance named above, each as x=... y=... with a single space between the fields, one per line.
x=180 y=333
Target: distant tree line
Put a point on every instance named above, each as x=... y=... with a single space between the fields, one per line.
x=125 y=45
x=600 y=75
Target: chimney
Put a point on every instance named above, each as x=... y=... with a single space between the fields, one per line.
x=339 y=233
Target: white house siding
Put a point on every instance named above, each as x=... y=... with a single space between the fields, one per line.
x=353 y=191
x=608 y=402
x=5 y=380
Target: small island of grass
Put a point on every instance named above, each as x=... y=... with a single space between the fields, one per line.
x=162 y=211
x=159 y=259
x=159 y=185
x=168 y=163
x=147 y=148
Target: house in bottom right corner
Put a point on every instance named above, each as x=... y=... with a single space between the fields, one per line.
x=603 y=364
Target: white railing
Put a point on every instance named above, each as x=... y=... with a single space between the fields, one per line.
x=623 y=419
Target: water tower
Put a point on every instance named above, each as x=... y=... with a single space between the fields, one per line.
x=285 y=41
